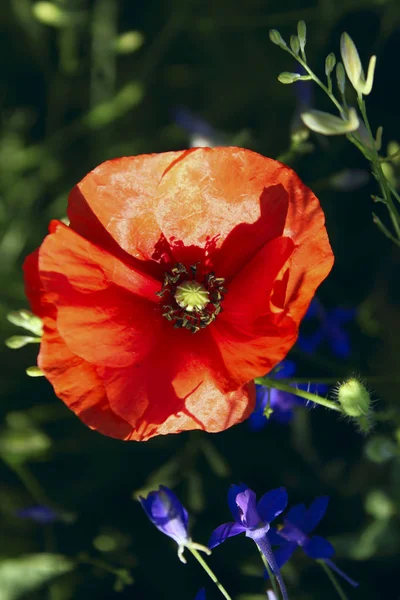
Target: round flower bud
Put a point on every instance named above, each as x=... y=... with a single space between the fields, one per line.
x=354 y=398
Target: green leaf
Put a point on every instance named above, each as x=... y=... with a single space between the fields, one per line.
x=20 y=444
x=25 y=574
x=327 y=124
x=129 y=42
x=50 y=14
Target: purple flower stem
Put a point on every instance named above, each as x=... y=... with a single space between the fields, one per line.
x=332 y=566
x=265 y=548
x=333 y=579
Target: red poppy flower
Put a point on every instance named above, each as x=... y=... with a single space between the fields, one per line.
x=181 y=277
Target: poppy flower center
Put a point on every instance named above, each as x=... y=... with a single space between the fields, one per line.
x=194 y=301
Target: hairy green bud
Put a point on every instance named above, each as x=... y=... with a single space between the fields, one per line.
x=302 y=33
x=327 y=124
x=354 y=398
x=276 y=38
x=286 y=77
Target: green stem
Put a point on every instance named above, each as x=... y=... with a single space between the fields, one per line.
x=209 y=572
x=318 y=82
x=284 y=387
x=271 y=576
x=333 y=580
x=333 y=380
x=377 y=168
x=30 y=482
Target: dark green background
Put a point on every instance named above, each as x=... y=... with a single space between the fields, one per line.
x=215 y=58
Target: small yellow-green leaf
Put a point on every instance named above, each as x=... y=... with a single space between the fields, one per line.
x=327 y=124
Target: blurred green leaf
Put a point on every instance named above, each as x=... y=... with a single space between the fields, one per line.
x=380 y=448
x=25 y=574
x=19 y=445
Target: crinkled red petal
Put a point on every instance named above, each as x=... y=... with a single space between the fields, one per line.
x=78 y=385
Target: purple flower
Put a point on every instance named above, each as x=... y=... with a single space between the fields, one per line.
x=38 y=513
x=253 y=519
x=298 y=524
x=201 y=594
x=281 y=403
x=167 y=513
x=329 y=329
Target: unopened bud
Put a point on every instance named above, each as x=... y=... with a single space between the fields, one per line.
x=327 y=124
x=354 y=398
x=276 y=38
x=286 y=77
x=341 y=77
x=294 y=44
x=330 y=64
x=302 y=33
x=34 y=372
x=19 y=341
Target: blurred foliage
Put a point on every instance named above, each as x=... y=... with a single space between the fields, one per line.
x=83 y=81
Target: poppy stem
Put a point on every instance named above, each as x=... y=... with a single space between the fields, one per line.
x=285 y=387
x=209 y=572
x=333 y=580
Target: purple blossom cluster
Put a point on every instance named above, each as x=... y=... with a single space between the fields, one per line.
x=276 y=544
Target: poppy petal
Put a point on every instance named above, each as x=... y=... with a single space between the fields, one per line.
x=174 y=391
x=78 y=385
x=252 y=333
x=212 y=194
x=96 y=306
x=113 y=205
